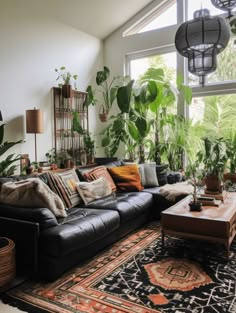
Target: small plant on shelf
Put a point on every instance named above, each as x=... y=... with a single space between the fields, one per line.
x=66 y=76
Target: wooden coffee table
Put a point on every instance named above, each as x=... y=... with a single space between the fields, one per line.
x=214 y=224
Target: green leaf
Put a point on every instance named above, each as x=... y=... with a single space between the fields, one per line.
x=141 y=125
x=102 y=75
x=179 y=81
x=62 y=68
x=124 y=95
x=1 y=133
x=187 y=94
x=113 y=93
x=76 y=126
x=106 y=141
x=133 y=131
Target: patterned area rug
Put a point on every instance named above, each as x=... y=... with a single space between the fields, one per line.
x=136 y=276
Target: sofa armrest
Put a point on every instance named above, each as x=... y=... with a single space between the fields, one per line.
x=26 y=237
x=43 y=216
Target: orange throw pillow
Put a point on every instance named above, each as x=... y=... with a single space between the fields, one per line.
x=126 y=178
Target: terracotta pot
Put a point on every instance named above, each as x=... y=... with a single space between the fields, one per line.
x=103 y=117
x=230 y=177
x=213 y=183
x=66 y=91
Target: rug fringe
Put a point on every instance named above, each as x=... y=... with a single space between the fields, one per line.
x=21 y=305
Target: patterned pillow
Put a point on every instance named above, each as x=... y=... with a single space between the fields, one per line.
x=127 y=178
x=96 y=189
x=100 y=171
x=148 y=175
x=64 y=184
x=69 y=180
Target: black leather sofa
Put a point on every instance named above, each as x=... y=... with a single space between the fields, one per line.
x=47 y=247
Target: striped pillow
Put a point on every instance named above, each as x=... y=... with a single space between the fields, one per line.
x=97 y=172
x=64 y=184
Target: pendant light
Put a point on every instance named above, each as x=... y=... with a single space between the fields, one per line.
x=225 y=5
x=200 y=40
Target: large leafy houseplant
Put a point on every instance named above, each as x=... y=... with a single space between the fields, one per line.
x=7 y=167
x=213 y=159
x=107 y=89
x=143 y=106
x=231 y=154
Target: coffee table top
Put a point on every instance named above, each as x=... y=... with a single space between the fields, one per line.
x=225 y=212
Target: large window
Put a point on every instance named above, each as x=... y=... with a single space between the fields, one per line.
x=213 y=108
x=167 y=61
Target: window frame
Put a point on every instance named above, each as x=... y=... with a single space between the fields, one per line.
x=217 y=88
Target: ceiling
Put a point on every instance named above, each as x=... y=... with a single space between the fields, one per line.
x=98 y=18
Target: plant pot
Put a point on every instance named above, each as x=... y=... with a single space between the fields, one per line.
x=103 y=117
x=212 y=183
x=66 y=91
x=195 y=206
x=103 y=114
x=230 y=177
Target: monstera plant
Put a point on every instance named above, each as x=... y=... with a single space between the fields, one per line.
x=108 y=90
x=7 y=167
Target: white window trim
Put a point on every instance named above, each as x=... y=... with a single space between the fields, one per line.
x=149 y=17
x=217 y=88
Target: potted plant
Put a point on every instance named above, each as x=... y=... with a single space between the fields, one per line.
x=66 y=76
x=213 y=160
x=52 y=158
x=231 y=153
x=107 y=89
x=89 y=144
x=6 y=166
x=194 y=176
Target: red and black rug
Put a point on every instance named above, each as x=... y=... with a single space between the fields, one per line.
x=136 y=276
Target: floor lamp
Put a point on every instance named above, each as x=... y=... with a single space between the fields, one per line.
x=34 y=125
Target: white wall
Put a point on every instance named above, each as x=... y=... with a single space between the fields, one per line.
x=32 y=45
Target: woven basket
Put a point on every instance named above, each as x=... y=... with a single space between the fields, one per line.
x=7 y=261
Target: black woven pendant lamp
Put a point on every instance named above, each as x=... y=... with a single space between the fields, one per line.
x=200 y=40
x=225 y=5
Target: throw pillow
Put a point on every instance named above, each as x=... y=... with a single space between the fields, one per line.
x=148 y=175
x=96 y=189
x=161 y=171
x=100 y=171
x=127 y=178
x=32 y=193
x=69 y=181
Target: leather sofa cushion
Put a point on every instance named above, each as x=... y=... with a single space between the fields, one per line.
x=43 y=216
x=129 y=205
x=79 y=229
x=159 y=202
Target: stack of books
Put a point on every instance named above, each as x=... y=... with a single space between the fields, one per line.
x=217 y=195
x=209 y=201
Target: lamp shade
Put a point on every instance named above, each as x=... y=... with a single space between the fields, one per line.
x=34 y=121
x=200 y=40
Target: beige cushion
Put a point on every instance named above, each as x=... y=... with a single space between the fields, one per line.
x=96 y=189
x=32 y=193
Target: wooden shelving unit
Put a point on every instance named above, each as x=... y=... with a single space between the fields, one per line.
x=67 y=141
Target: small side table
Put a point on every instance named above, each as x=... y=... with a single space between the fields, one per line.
x=7 y=261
